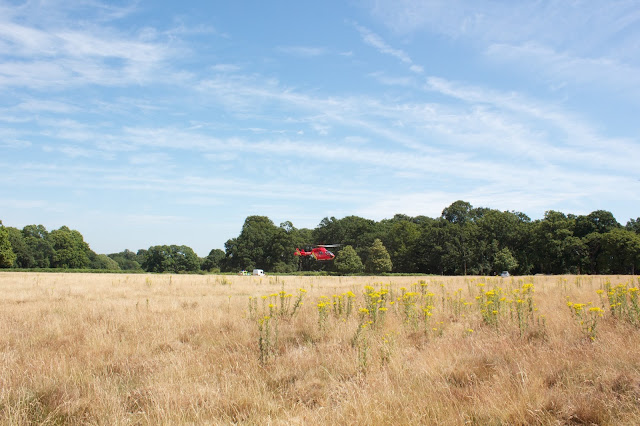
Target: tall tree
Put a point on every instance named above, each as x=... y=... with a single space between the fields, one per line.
x=24 y=254
x=71 y=251
x=575 y=254
x=621 y=251
x=37 y=238
x=504 y=261
x=171 y=258
x=102 y=261
x=430 y=247
x=213 y=261
x=633 y=225
x=548 y=236
x=460 y=245
x=253 y=247
x=282 y=248
x=459 y=212
x=378 y=260
x=184 y=258
x=600 y=221
x=347 y=261
x=126 y=260
x=355 y=231
x=400 y=239
x=7 y=256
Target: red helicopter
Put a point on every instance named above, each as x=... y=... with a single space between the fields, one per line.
x=319 y=252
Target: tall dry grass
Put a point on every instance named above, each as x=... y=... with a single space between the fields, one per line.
x=172 y=349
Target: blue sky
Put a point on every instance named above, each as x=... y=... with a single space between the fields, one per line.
x=160 y=122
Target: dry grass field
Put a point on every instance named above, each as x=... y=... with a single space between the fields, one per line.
x=174 y=349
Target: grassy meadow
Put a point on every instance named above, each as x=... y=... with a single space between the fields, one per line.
x=205 y=349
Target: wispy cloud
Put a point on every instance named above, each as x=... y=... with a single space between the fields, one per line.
x=154 y=219
x=151 y=158
x=579 y=142
x=581 y=26
x=14 y=144
x=374 y=40
x=60 y=56
x=302 y=51
x=502 y=125
x=44 y=105
x=610 y=74
x=225 y=68
x=574 y=42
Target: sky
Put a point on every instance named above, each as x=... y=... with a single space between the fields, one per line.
x=145 y=122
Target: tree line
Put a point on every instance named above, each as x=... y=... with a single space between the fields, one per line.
x=463 y=241
x=34 y=247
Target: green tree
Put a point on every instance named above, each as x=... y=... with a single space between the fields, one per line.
x=126 y=260
x=157 y=259
x=213 y=261
x=633 y=225
x=547 y=241
x=504 y=261
x=378 y=260
x=596 y=261
x=430 y=247
x=459 y=212
x=400 y=238
x=37 y=238
x=600 y=221
x=185 y=259
x=499 y=229
x=462 y=238
x=252 y=248
x=263 y=245
x=24 y=255
x=282 y=247
x=102 y=261
x=575 y=254
x=460 y=248
x=171 y=258
x=355 y=231
x=7 y=256
x=141 y=255
x=71 y=251
x=621 y=251
x=347 y=261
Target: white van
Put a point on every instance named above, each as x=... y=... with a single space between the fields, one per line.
x=258 y=272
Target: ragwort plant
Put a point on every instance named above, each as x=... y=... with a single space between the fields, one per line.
x=343 y=304
x=490 y=304
x=323 y=307
x=267 y=338
x=523 y=308
x=623 y=302
x=587 y=317
x=386 y=348
x=267 y=319
x=362 y=345
x=409 y=301
x=363 y=315
x=298 y=302
x=375 y=304
x=498 y=307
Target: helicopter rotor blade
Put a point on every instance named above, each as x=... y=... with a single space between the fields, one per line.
x=329 y=245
